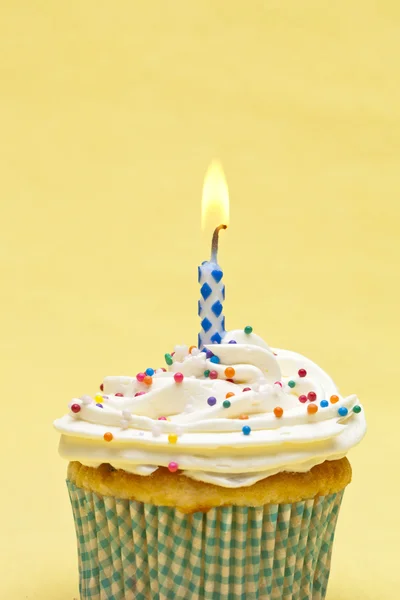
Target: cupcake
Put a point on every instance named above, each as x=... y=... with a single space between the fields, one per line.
x=219 y=478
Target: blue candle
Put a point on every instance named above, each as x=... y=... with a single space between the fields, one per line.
x=212 y=292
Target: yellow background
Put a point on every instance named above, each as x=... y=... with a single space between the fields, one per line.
x=110 y=113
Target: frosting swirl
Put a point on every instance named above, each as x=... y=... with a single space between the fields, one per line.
x=228 y=415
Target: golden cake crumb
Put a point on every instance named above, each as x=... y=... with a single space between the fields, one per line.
x=163 y=488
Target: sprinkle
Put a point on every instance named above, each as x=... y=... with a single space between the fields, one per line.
x=148 y=380
x=140 y=377
x=230 y=372
x=162 y=418
x=172 y=438
x=357 y=409
x=108 y=436
x=243 y=417
x=343 y=411
x=334 y=399
x=226 y=403
x=178 y=377
x=101 y=387
x=302 y=372
x=312 y=409
x=213 y=374
x=124 y=424
x=312 y=396
x=163 y=370
x=278 y=383
x=291 y=383
x=278 y=412
x=192 y=348
x=215 y=359
x=229 y=395
x=99 y=405
x=173 y=467
x=98 y=398
x=127 y=415
x=230 y=380
x=246 y=389
x=168 y=359
x=139 y=394
x=150 y=371
x=211 y=401
x=75 y=408
x=248 y=329
x=232 y=342
x=324 y=403
x=209 y=354
x=246 y=430
x=207 y=373
x=119 y=394
x=303 y=398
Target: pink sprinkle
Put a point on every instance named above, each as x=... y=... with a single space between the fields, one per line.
x=312 y=396
x=140 y=376
x=278 y=383
x=213 y=375
x=230 y=380
x=162 y=418
x=247 y=389
x=139 y=394
x=173 y=467
x=303 y=398
x=162 y=369
x=120 y=395
x=302 y=372
x=75 y=408
x=178 y=377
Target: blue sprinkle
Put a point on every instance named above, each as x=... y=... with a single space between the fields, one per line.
x=223 y=293
x=232 y=342
x=99 y=405
x=223 y=323
x=246 y=430
x=215 y=359
x=211 y=401
x=324 y=403
x=343 y=411
x=205 y=291
x=150 y=372
x=199 y=273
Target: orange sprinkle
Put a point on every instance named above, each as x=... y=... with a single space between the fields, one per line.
x=312 y=409
x=148 y=380
x=192 y=348
x=278 y=411
x=229 y=395
x=243 y=417
x=108 y=436
x=334 y=399
x=230 y=372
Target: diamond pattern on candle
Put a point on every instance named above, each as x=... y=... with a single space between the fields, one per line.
x=206 y=324
x=205 y=290
x=217 y=274
x=199 y=307
x=217 y=308
x=216 y=338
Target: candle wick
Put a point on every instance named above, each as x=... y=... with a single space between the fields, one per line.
x=214 y=243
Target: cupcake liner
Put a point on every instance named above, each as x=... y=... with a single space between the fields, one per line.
x=130 y=550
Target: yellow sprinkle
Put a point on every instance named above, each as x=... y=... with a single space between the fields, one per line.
x=99 y=398
x=172 y=438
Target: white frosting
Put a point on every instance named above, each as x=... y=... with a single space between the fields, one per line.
x=211 y=445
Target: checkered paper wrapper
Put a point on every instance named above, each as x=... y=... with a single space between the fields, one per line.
x=130 y=550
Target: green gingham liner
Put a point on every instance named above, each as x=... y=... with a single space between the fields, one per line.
x=130 y=550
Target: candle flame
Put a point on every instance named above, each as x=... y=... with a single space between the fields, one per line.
x=215 y=200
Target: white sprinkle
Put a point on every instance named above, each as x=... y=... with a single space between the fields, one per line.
x=195 y=351
x=124 y=424
x=127 y=415
x=156 y=431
